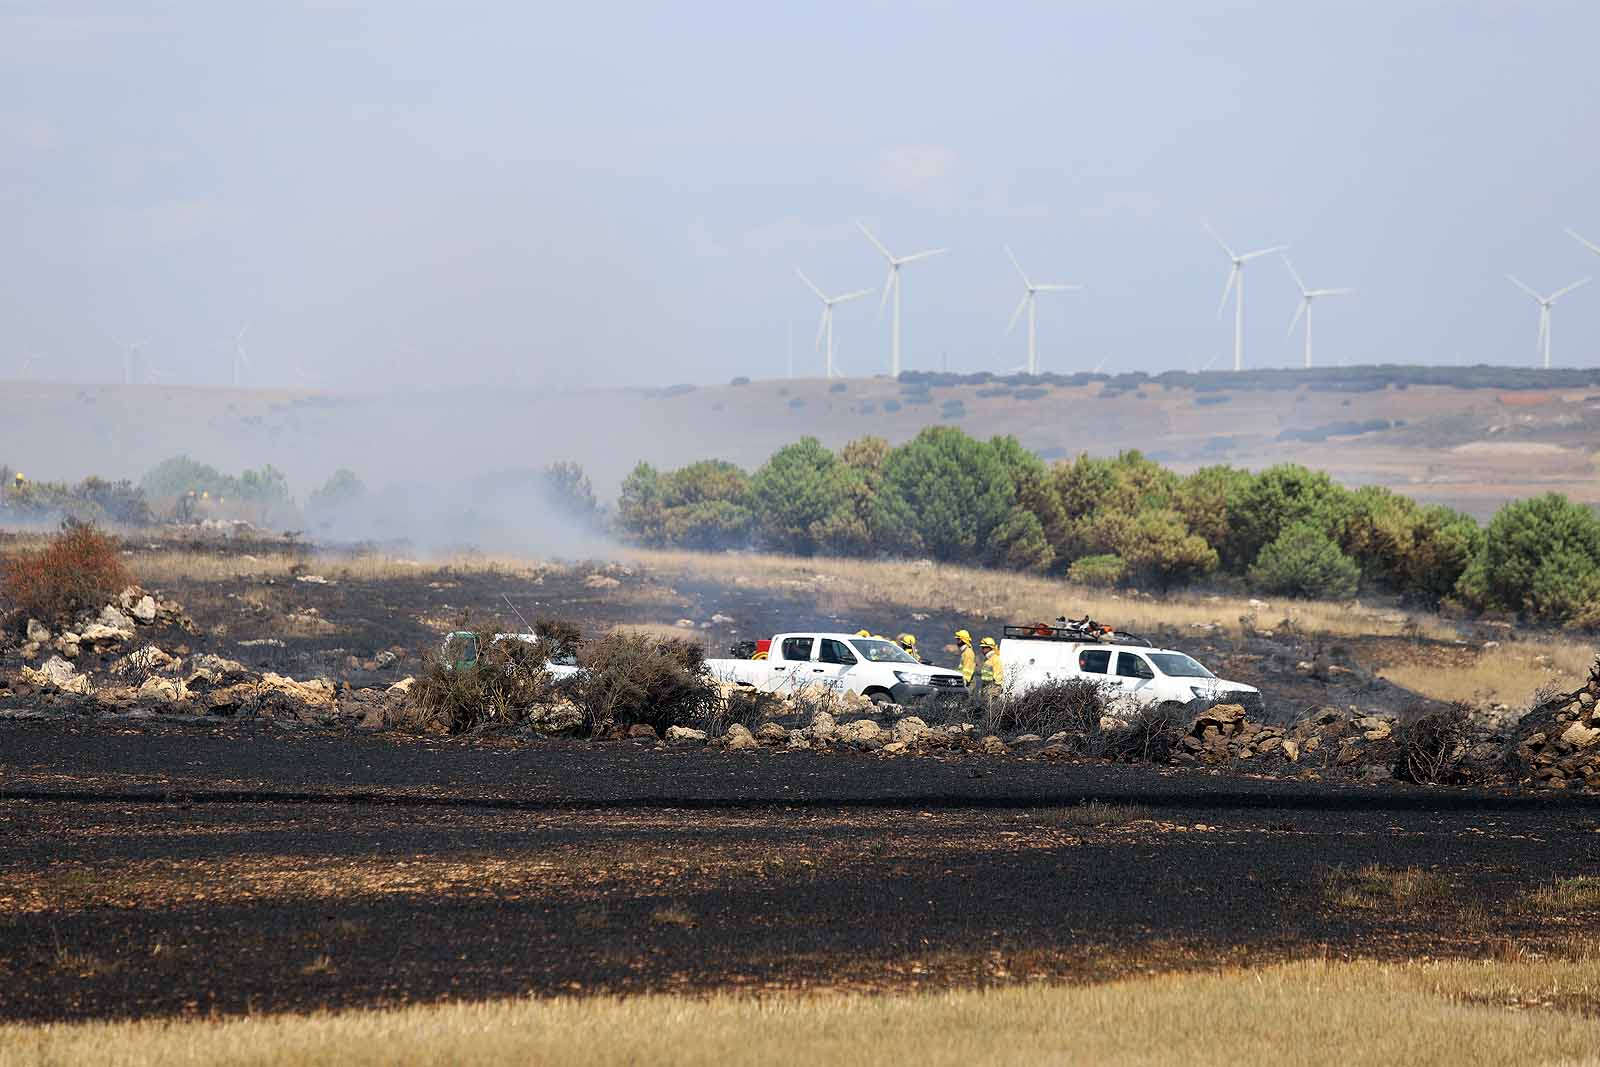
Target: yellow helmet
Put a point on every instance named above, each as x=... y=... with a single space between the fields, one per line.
x=908 y=640
x=863 y=633
x=987 y=642
x=964 y=637
x=21 y=477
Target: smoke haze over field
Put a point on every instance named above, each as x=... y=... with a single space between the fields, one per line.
x=506 y=194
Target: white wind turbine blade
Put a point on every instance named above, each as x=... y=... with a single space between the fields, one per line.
x=922 y=255
x=875 y=242
x=1514 y=280
x=1297 y=279
x=852 y=296
x=1248 y=256
x=810 y=284
x=1544 y=325
x=1298 y=312
x=1559 y=293
x=822 y=325
x=1584 y=241
x=1330 y=292
x=1056 y=288
x=888 y=284
x=1227 y=287
x=1219 y=240
x=1017 y=265
x=1017 y=314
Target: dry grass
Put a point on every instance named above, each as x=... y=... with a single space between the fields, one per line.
x=842 y=584
x=1458 y=1013
x=1374 y=887
x=1510 y=674
x=165 y=565
x=1092 y=813
x=1566 y=895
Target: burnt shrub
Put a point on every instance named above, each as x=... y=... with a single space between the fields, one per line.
x=1431 y=747
x=1071 y=704
x=747 y=706
x=633 y=678
x=497 y=688
x=80 y=569
x=1151 y=736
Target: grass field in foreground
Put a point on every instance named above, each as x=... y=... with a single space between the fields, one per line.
x=1348 y=1013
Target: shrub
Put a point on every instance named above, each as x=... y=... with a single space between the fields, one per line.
x=508 y=678
x=1101 y=570
x=740 y=380
x=637 y=678
x=838 y=387
x=1073 y=704
x=1151 y=737
x=1304 y=562
x=891 y=405
x=1431 y=746
x=1540 y=558
x=79 y=570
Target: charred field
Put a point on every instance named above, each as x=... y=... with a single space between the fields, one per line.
x=171 y=866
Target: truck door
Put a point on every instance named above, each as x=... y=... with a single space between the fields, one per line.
x=834 y=660
x=791 y=664
x=1135 y=678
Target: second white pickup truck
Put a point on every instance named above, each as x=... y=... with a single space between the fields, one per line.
x=877 y=669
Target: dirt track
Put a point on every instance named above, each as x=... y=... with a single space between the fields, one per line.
x=178 y=869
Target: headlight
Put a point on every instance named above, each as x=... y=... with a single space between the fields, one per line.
x=912 y=679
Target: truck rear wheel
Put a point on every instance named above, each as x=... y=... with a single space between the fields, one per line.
x=878 y=696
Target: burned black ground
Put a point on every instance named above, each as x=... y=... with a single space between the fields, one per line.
x=165 y=869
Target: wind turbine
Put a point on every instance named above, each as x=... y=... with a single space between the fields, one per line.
x=1029 y=291
x=825 y=326
x=239 y=358
x=129 y=353
x=1306 y=296
x=893 y=282
x=1235 y=285
x=1545 y=304
x=1584 y=241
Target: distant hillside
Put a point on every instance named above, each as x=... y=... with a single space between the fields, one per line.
x=1473 y=437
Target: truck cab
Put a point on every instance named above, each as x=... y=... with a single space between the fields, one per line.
x=1134 y=673
x=872 y=666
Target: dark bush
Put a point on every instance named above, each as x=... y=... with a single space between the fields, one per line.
x=747 y=706
x=838 y=387
x=508 y=678
x=1152 y=736
x=635 y=678
x=1031 y=394
x=79 y=570
x=740 y=380
x=1073 y=704
x=891 y=405
x=1431 y=746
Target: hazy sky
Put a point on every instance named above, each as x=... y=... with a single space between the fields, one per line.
x=612 y=193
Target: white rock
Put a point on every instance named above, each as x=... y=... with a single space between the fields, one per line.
x=38 y=632
x=685 y=735
x=894 y=747
x=57 y=673
x=739 y=737
x=156 y=687
x=910 y=730
x=1580 y=736
x=861 y=731
x=822 y=726
x=144 y=609
x=560 y=718
x=313 y=579
x=772 y=733
x=98 y=633
x=115 y=619
x=401 y=688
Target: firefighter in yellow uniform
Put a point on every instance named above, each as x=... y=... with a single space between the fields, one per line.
x=908 y=644
x=991 y=678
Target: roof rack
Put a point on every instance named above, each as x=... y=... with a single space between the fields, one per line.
x=1084 y=629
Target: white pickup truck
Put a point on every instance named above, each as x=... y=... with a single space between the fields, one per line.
x=877 y=669
x=1135 y=673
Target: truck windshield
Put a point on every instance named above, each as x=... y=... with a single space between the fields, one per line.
x=1177 y=665
x=875 y=651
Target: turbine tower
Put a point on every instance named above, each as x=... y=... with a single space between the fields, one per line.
x=239 y=358
x=1029 y=291
x=893 y=282
x=1235 y=285
x=1545 y=304
x=1306 y=297
x=825 y=326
